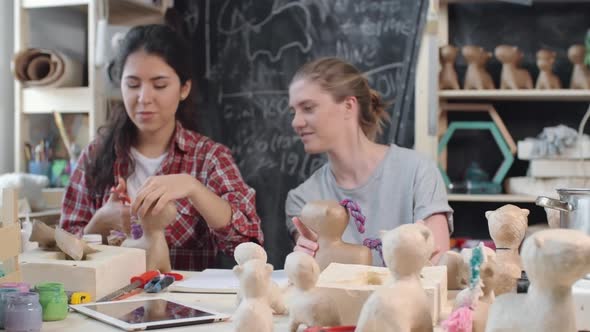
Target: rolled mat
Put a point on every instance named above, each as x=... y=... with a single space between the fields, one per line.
x=47 y=68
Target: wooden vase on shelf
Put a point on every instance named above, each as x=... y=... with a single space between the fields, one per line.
x=512 y=76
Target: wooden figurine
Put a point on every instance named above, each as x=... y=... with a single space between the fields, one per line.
x=73 y=247
x=456 y=270
x=153 y=240
x=507 y=226
x=580 y=73
x=248 y=251
x=553 y=259
x=477 y=77
x=547 y=79
x=447 y=78
x=512 y=77
x=403 y=305
x=328 y=219
x=254 y=312
x=308 y=305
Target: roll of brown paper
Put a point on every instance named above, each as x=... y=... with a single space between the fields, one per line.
x=48 y=68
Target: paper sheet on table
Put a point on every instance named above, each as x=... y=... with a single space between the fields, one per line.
x=219 y=281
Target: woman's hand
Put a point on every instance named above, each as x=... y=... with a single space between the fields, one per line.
x=114 y=215
x=161 y=189
x=306 y=238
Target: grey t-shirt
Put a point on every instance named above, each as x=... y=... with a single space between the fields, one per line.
x=406 y=186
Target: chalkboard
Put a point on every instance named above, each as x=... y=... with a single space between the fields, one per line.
x=248 y=51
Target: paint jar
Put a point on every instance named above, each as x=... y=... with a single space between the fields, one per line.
x=54 y=300
x=21 y=286
x=23 y=312
x=3 y=293
x=92 y=238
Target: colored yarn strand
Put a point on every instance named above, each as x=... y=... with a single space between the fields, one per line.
x=355 y=211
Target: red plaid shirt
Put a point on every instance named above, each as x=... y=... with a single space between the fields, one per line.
x=193 y=245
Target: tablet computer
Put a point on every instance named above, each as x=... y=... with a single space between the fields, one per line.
x=148 y=314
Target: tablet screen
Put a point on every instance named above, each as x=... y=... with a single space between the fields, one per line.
x=147 y=311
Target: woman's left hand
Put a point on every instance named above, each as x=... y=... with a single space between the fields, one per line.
x=157 y=191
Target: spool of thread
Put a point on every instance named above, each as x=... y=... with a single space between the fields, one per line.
x=92 y=238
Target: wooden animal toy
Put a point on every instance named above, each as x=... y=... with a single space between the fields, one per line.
x=477 y=77
x=403 y=305
x=546 y=79
x=447 y=78
x=328 y=219
x=247 y=251
x=554 y=259
x=153 y=240
x=307 y=304
x=254 y=312
x=580 y=73
x=456 y=270
x=507 y=226
x=512 y=77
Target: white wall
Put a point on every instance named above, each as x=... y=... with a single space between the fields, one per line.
x=6 y=88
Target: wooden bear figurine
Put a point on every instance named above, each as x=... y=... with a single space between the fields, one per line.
x=153 y=240
x=308 y=305
x=447 y=78
x=547 y=79
x=254 y=312
x=477 y=77
x=512 y=77
x=507 y=226
x=248 y=251
x=554 y=259
x=580 y=73
x=328 y=219
x=402 y=306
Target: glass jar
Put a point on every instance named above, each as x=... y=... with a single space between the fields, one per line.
x=23 y=312
x=54 y=300
x=3 y=293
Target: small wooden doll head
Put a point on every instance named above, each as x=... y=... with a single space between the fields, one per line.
x=507 y=225
x=407 y=248
x=302 y=270
x=448 y=54
x=247 y=251
x=327 y=218
x=545 y=59
x=576 y=54
x=475 y=54
x=507 y=54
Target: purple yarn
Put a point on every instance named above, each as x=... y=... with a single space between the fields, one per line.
x=136 y=230
x=375 y=244
x=355 y=211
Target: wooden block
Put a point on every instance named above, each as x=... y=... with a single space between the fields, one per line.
x=351 y=285
x=9 y=241
x=102 y=273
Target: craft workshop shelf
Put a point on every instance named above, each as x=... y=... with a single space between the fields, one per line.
x=491 y=198
x=63 y=100
x=120 y=11
x=517 y=95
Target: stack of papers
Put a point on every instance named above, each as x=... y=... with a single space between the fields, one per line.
x=219 y=281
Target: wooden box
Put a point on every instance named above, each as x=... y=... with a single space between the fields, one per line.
x=100 y=274
x=351 y=285
x=9 y=236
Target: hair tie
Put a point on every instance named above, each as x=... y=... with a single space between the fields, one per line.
x=355 y=211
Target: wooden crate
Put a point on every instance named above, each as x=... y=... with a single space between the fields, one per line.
x=10 y=245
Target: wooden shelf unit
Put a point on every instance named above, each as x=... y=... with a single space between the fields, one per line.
x=516 y=95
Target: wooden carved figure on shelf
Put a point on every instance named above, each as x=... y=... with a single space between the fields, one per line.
x=507 y=226
x=554 y=259
x=153 y=240
x=477 y=77
x=456 y=270
x=547 y=79
x=403 y=305
x=580 y=73
x=447 y=78
x=307 y=304
x=248 y=251
x=328 y=219
x=254 y=312
x=512 y=77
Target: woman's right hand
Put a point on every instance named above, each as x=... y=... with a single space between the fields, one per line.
x=115 y=214
x=306 y=238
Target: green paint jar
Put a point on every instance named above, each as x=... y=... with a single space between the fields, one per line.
x=54 y=300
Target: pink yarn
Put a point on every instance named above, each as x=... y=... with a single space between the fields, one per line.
x=355 y=211
x=461 y=320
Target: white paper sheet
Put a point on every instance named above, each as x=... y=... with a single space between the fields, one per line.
x=219 y=281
